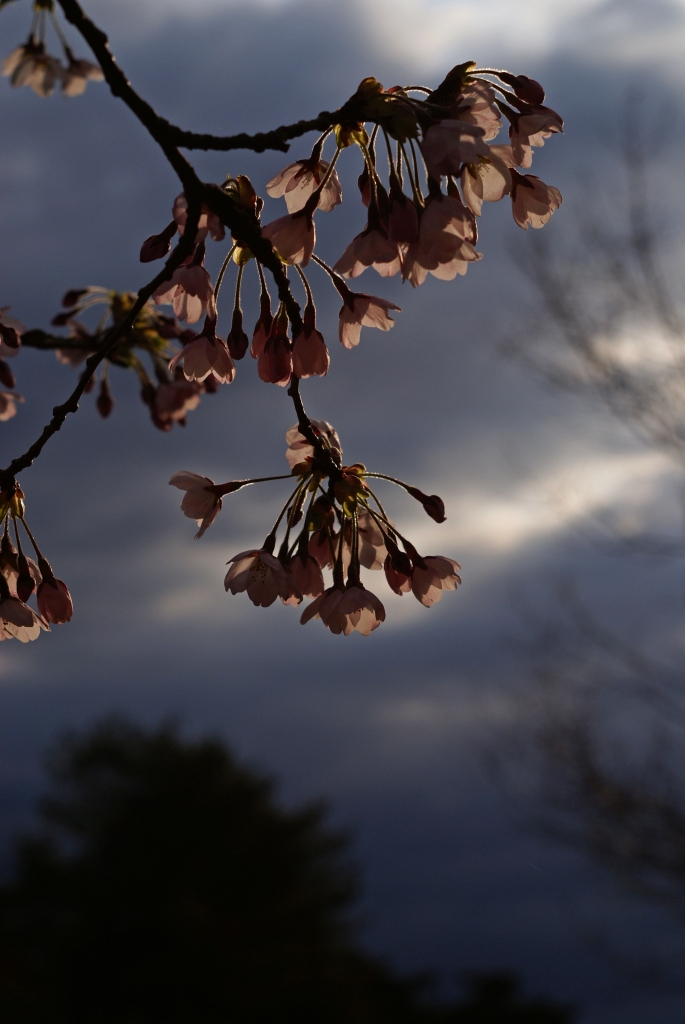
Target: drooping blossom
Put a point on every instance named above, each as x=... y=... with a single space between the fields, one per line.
x=190 y=292
x=372 y=550
x=310 y=354
x=435 y=575
x=199 y=502
x=476 y=104
x=208 y=222
x=78 y=74
x=398 y=579
x=532 y=201
x=293 y=237
x=205 y=354
x=445 y=248
x=262 y=327
x=275 y=361
x=371 y=248
x=486 y=181
x=322 y=547
x=346 y=610
x=403 y=219
x=260 y=574
x=530 y=130
x=449 y=144
x=18 y=621
x=294 y=593
x=31 y=65
x=173 y=400
x=8 y=405
x=360 y=310
x=54 y=600
x=300 y=451
x=11 y=331
x=298 y=181
x=307 y=573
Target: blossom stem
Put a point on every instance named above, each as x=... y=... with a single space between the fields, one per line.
x=338 y=282
x=313 y=200
x=271 y=537
x=412 y=181
x=418 y=88
x=416 y=164
x=224 y=267
x=305 y=282
x=39 y=553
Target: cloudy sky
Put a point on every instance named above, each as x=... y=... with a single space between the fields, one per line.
x=392 y=729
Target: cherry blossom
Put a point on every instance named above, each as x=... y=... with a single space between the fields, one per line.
x=346 y=610
x=18 y=621
x=298 y=181
x=372 y=550
x=190 y=292
x=8 y=405
x=199 y=502
x=476 y=105
x=371 y=248
x=435 y=575
x=261 y=575
x=307 y=572
x=275 y=362
x=206 y=354
x=11 y=331
x=300 y=451
x=293 y=237
x=360 y=310
x=78 y=74
x=54 y=600
x=528 y=130
x=310 y=354
x=486 y=181
x=532 y=201
x=449 y=144
x=31 y=65
x=174 y=399
x=208 y=222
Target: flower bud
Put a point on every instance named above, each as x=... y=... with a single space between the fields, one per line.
x=105 y=402
x=433 y=505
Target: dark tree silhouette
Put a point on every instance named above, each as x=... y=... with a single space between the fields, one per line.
x=165 y=886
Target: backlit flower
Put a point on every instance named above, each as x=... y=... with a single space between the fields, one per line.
x=293 y=237
x=372 y=550
x=348 y=610
x=205 y=354
x=532 y=201
x=18 y=621
x=371 y=248
x=476 y=105
x=260 y=574
x=190 y=292
x=54 y=600
x=199 y=502
x=208 y=222
x=307 y=573
x=486 y=181
x=449 y=144
x=300 y=451
x=310 y=354
x=298 y=181
x=31 y=65
x=429 y=581
x=361 y=310
x=78 y=74
x=8 y=404
x=11 y=331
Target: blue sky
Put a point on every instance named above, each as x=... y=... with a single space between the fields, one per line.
x=393 y=728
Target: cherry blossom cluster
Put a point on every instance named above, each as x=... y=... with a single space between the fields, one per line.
x=21 y=577
x=340 y=527
x=430 y=159
x=146 y=348
x=30 y=64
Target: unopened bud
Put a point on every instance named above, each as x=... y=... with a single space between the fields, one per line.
x=433 y=505
x=105 y=402
x=25 y=581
